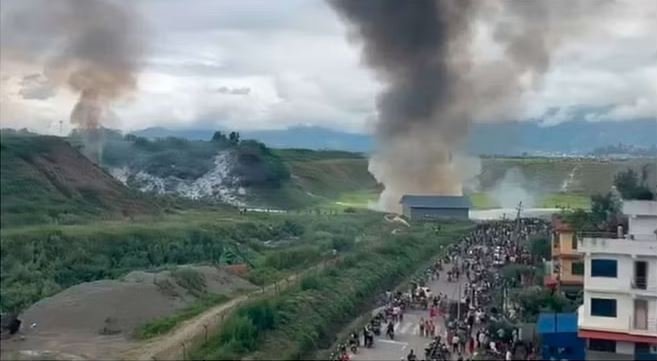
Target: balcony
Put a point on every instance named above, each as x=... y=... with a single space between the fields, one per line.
x=647 y=326
x=643 y=284
x=615 y=245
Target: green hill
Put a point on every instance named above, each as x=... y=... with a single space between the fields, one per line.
x=45 y=180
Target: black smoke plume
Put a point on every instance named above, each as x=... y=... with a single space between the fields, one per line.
x=434 y=84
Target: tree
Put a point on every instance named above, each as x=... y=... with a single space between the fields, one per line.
x=540 y=247
x=234 y=137
x=579 y=219
x=218 y=136
x=630 y=187
x=626 y=182
x=604 y=210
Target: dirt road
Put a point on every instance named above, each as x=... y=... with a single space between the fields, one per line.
x=192 y=333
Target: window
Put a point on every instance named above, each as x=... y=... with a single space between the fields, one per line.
x=577 y=268
x=555 y=240
x=574 y=241
x=604 y=268
x=603 y=307
x=602 y=345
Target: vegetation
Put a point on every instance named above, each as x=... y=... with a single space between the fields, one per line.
x=38 y=261
x=540 y=248
x=294 y=323
x=163 y=325
x=631 y=187
x=45 y=180
x=256 y=165
x=534 y=300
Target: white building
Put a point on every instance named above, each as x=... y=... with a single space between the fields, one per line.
x=619 y=313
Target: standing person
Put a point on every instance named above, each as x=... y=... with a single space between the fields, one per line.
x=422 y=326
x=471 y=345
x=432 y=312
x=455 y=343
x=432 y=328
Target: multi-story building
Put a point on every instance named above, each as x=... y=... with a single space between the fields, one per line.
x=618 y=317
x=567 y=272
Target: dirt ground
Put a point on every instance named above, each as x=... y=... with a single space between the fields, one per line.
x=97 y=320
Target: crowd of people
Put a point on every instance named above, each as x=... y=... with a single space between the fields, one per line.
x=471 y=319
x=471 y=330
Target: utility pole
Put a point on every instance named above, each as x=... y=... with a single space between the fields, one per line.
x=517 y=233
x=458 y=297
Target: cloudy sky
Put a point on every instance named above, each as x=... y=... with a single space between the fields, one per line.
x=272 y=64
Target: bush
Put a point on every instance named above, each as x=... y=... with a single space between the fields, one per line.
x=191 y=280
x=310 y=283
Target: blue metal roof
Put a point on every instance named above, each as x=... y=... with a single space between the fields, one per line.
x=426 y=201
x=557 y=323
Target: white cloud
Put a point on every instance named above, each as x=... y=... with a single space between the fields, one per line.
x=299 y=68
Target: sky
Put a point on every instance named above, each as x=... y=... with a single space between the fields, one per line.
x=261 y=64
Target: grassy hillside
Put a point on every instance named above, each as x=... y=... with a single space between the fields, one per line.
x=590 y=176
x=38 y=261
x=45 y=180
x=558 y=182
x=328 y=179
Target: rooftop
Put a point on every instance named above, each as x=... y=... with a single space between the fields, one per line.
x=429 y=201
x=640 y=208
x=560 y=225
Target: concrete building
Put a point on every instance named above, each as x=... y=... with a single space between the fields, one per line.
x=567 y=273
x=429 y=208
x=619 y=314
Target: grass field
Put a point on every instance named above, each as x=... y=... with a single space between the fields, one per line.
x=484 y=200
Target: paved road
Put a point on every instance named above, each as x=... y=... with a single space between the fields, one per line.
x=407 y=332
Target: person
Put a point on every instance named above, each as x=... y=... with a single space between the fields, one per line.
x=455 y=343
x=509 y=356
x=390 y=330
x=432 y=328
x=422 y=326
x=411 y=356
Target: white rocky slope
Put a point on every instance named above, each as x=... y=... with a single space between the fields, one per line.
x=218 y=183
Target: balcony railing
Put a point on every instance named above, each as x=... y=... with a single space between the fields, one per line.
x=641 y=283
x=613 y=235
x=647 y=325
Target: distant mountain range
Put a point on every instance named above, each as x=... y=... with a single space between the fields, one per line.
x=513 y=138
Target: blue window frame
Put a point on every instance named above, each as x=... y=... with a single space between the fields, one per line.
x=604 y=268
x=603 y=307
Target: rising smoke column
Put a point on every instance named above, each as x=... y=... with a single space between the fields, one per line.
x=434 y=85
x=414 y=46
x=94 y=47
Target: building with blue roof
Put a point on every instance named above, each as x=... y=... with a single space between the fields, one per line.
x=431 y=207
